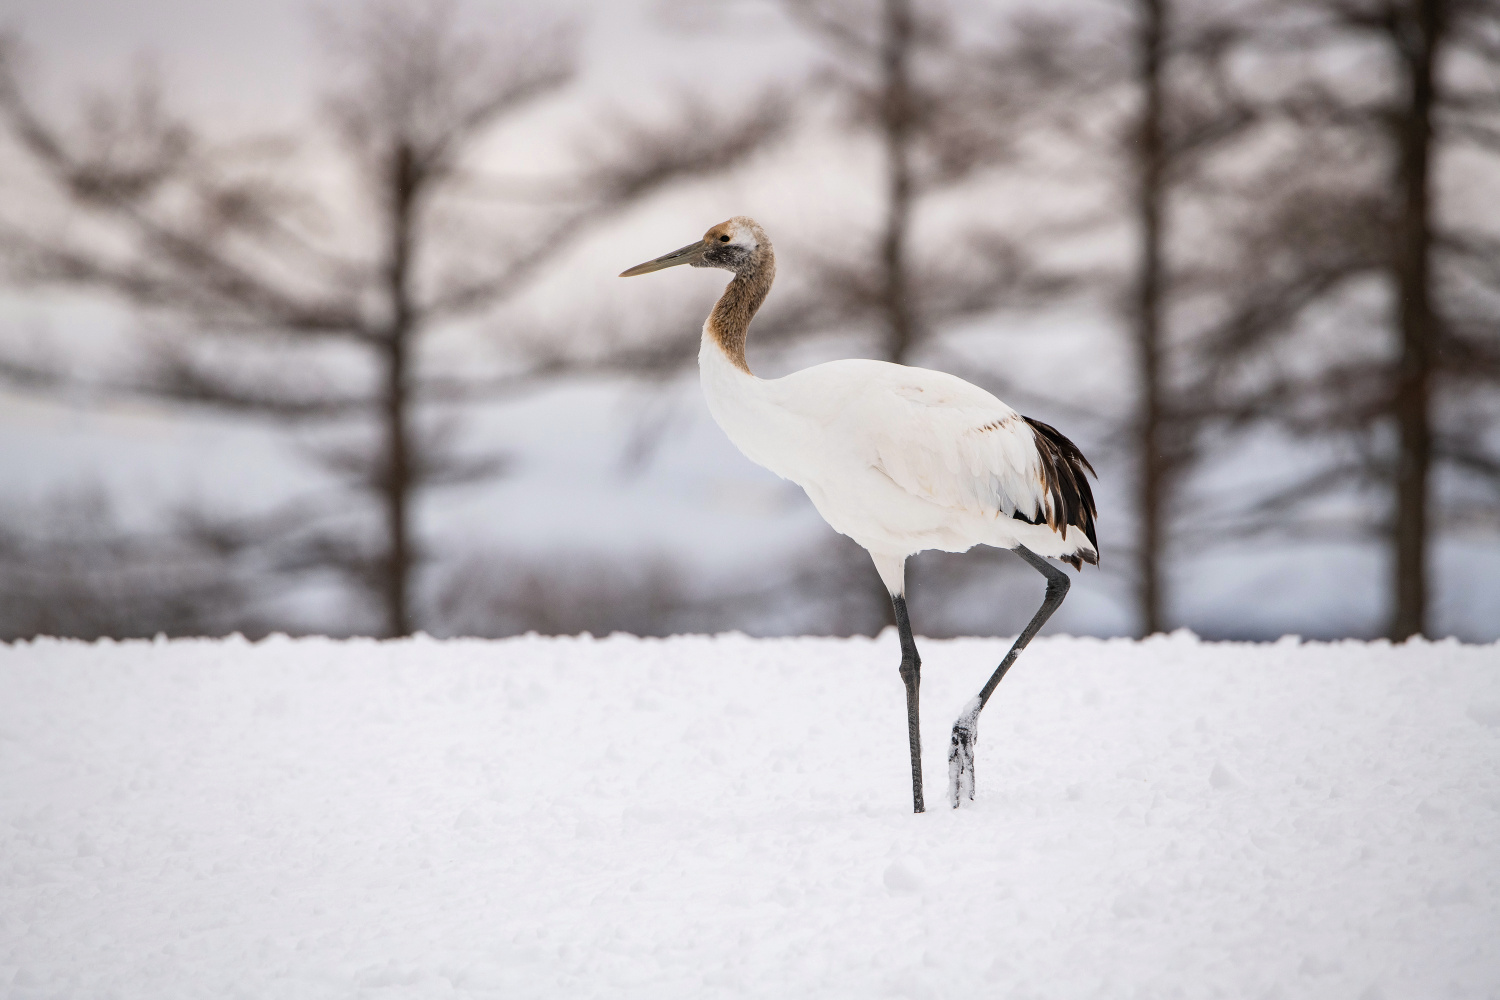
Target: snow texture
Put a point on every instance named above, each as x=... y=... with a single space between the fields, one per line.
x=728 y=817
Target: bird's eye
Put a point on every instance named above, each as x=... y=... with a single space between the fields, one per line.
x=723 y=239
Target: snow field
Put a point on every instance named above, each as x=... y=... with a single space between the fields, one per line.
x=728 y=817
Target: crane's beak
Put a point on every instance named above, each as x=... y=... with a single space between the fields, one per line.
x=687 y=255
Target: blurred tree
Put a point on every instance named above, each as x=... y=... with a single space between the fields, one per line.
x=1187 y=109
x=76 y=571
x=1389 y=112
x=567 y=593
x=944 y=104
x=262 y=262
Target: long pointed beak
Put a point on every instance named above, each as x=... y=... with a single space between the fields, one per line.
x=687 y=255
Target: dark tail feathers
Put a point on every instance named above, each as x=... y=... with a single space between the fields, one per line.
x=1064 y=479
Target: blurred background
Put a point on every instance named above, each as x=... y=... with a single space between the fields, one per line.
x=309 y=319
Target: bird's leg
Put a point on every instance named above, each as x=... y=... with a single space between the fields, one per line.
x=966 y=729
x=911 y=676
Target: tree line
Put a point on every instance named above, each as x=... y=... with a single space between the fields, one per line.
x=1281 y=208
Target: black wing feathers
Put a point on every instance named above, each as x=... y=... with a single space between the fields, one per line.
x=1067 y=487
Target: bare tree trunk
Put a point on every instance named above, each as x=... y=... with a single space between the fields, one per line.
x=1150 y=163
x=896 y=42
x=396 y=483
x=1418 y=48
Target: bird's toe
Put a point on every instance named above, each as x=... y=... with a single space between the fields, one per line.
x=961 y=759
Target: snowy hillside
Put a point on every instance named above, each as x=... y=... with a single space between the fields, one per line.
x=729 y=818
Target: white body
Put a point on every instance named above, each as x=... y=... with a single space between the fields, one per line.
x=899 y=459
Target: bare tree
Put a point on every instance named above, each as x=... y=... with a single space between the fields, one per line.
x=1159 y=73
x=1151 y=169
x=1361 y=199
x=271 y=281
x=943 y=103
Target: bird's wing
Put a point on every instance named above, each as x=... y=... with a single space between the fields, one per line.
x=945 y=440
x=950 y=442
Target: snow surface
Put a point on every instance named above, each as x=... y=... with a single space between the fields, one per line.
x=728 y=817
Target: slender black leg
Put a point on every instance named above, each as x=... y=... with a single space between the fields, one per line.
x=966 y=729
x=911 y=676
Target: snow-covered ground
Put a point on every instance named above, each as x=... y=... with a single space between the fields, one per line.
x=730 y=817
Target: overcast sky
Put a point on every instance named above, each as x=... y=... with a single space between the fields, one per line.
x=261 y=57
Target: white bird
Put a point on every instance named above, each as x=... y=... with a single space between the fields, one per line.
x=899 y=459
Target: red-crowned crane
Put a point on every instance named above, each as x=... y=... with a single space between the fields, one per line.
x=899 y=459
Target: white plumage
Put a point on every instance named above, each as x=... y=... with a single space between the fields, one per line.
x=899 y=459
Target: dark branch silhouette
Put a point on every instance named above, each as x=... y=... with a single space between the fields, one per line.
x=237 y=255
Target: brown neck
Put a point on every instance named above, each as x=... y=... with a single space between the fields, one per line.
x=736 y=307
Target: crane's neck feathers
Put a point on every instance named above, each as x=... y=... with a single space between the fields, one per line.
x=730 y=320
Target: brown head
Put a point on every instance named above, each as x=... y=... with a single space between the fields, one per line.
x=737 y=245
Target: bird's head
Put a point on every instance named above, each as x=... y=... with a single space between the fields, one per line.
x=733 y=245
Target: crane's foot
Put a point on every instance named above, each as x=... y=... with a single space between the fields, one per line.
x=961 y=755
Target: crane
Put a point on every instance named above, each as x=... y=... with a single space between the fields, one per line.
x=900 y=459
